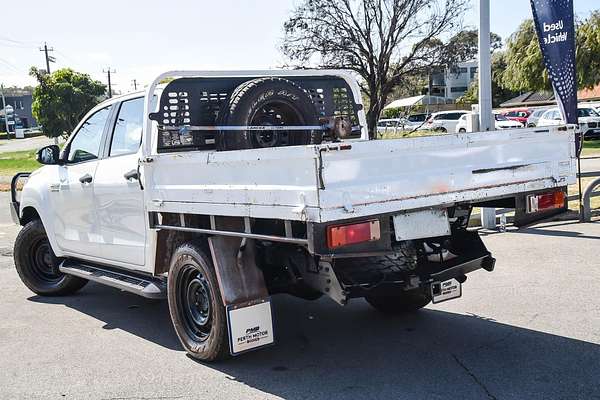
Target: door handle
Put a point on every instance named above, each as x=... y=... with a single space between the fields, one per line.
x=87 y=178
x=131 y=175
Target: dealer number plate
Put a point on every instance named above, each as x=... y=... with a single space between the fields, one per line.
x=250 y=326
x=446 y=290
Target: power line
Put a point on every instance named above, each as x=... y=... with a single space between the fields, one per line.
x=49 y=59
x=108 y=72
x=9 y=65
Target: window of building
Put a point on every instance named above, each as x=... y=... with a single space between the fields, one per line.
x=473 y=72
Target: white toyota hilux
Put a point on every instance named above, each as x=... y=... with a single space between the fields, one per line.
x=220 y=189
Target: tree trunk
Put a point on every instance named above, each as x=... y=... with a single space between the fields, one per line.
x=375 y=108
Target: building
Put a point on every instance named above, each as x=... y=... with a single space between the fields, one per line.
x=455 y=81
x=22 y=109
x=546 y=98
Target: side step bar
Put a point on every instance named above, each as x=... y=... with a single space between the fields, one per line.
x=145 y=286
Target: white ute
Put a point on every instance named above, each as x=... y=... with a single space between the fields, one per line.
x=221 y=189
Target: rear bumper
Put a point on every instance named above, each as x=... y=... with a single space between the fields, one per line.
x=388 y=275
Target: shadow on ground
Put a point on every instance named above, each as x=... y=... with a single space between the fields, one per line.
x=325 y=351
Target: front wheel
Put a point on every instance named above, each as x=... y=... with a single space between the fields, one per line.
x=37 y=265
x=403 y=302
x=195 y=304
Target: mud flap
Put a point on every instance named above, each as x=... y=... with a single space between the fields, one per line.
x=243 y=290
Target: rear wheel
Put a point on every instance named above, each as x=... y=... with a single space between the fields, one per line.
x=37 y=265
x=195 y=304
x=462 y=130
x=403 y=302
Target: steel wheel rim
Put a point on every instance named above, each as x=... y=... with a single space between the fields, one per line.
x=43 y=264
x=274 y=113
x=195 y=302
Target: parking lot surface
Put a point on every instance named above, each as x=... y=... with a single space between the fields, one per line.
x=529 y=330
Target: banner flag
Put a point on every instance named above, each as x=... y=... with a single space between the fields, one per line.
x=555 y=26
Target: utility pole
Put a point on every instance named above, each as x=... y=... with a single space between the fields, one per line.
x=486 y=122
x=5 y=113
x=485 y=69
x=134 y=84
x=49 y=58
x=108 y=72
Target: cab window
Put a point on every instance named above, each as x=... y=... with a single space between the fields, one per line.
x=127 y=133
x=85 y=145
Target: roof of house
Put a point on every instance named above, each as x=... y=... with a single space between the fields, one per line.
x=416 y=100
x=589 y=94
x=547 y=98
x=531 y=99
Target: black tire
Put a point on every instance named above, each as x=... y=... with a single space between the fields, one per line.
x=462 y=130
x=403 y=302
x=267 y=101
x=195 y=304
x=37 y=265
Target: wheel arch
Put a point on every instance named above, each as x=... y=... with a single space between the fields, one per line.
x=28 y=214
x=31 y=211
x=167 y=241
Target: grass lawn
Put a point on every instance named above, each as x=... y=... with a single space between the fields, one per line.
x=18 y=161
x=591 y=147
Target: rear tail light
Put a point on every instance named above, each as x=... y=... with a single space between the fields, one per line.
x=545 y=201
x=344 y=235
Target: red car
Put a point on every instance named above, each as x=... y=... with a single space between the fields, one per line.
x=519 y=114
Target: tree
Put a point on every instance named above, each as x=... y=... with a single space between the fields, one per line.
x=62 y=98
x=383 y=41
x=499 y=93
x=525 y=66
x=18 y=91
x=464 y=46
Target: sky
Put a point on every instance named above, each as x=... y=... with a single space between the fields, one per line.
x=140 y=39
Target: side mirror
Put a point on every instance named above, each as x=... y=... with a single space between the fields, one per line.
x=49 y=155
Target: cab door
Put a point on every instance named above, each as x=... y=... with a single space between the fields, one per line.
x=119 y=197
x=76 y=225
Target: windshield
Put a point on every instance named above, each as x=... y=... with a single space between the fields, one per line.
x=417 y=117
x=500 y=117
x=586 y=112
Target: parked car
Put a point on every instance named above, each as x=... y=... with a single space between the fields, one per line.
x=416 y=120
x=501 y=122
x=389 y=125
x=157 y=194
x=519 y=115
x=444 y=121
x=589 y=120
x=532 y=120
x=393 y=125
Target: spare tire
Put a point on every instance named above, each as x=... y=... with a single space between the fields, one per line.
x=267 y=102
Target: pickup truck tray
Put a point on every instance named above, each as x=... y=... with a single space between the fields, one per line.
x=355 y=178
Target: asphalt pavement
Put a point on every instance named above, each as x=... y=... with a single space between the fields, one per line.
x=30 y=143
x=528 y=330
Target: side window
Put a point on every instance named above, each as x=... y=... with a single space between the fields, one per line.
x=127 y=134
x=85 y=146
